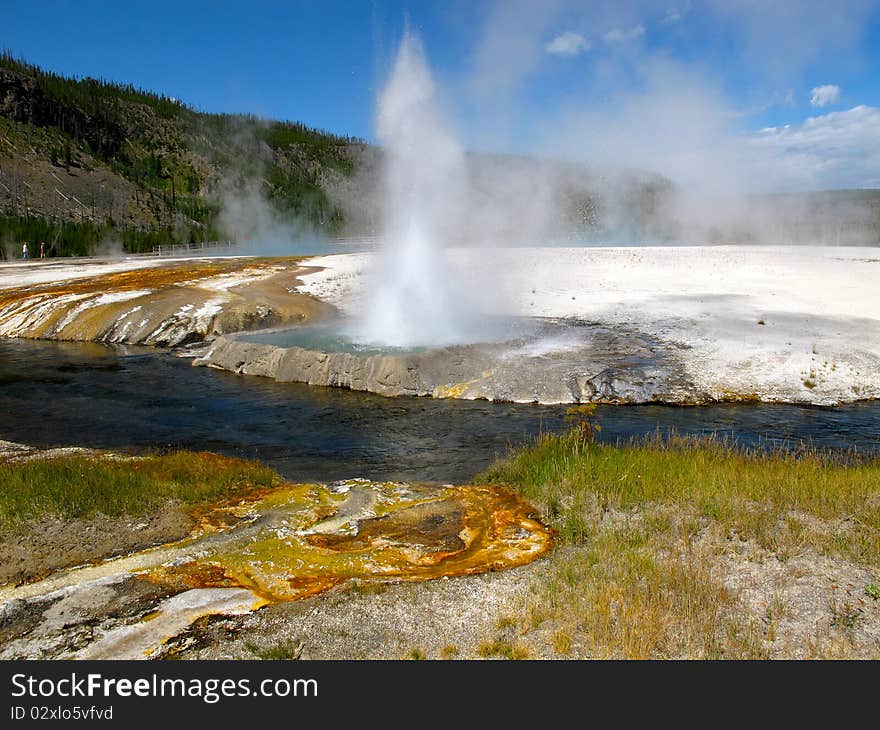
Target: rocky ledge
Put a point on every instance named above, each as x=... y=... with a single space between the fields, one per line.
x=561 y=361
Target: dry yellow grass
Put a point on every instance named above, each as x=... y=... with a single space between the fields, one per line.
x=648 y=531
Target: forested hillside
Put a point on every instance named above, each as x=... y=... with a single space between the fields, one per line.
x=84 y=161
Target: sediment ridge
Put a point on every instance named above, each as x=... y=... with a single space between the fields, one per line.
x=165 y=304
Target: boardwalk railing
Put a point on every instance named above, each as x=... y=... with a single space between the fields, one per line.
x=177 y=249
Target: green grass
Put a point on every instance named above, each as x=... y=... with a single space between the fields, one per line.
x=282 y=651
x=80 y=486
x=645 y=530
x=765 y=497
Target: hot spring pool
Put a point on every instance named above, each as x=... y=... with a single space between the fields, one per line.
x=338 y=336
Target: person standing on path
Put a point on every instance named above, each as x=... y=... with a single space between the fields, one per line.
x=42 y=249
x=24 y=250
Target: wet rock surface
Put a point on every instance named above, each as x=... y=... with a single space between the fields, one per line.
x=558 y=361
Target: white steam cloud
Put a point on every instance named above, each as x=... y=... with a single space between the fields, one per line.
x=425 y=188
x=257 y=228
x=247 y=216
x=637 y=106
x=650 y=86
x=646 y=147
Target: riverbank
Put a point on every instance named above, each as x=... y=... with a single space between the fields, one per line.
x=65 y=507
x=689 y=550
x=250 y=540
x=683 y=549
x=679 y=325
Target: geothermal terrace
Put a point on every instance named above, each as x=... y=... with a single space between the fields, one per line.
x=638 y=324
x=622 y=324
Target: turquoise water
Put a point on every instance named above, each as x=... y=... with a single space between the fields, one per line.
x=335 y=336
x=326 y=337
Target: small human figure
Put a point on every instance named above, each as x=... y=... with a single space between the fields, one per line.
x=42 y=250
x=24 y=250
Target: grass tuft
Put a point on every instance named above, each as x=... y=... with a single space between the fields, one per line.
x=774 y=498
x=502 y=648
x=81 y=486
x=282 y=651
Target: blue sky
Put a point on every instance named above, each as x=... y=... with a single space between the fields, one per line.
x=787 y=90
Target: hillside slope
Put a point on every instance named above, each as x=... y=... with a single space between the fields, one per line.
x=83 y=160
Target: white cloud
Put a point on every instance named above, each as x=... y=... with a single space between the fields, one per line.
x=835 y=150
x=619 y=35
x=511 y=47
x=652 y=108
x=824 y=95
x=568 y=44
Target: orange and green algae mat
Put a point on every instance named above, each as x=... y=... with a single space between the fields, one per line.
x=300 y=540
x=275 y=545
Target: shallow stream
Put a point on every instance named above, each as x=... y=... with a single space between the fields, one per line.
x=140 y=398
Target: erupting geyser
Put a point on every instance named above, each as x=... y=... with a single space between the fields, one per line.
x=414 y=299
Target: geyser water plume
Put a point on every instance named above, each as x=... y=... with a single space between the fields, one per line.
x=415 y=299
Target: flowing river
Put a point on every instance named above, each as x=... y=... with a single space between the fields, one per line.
x=54 y=394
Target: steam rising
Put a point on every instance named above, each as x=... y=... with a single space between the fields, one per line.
x=647 y=147
x=425 y=188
